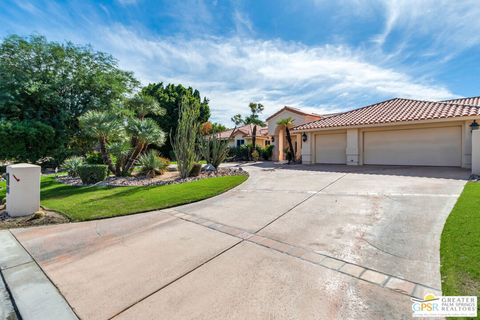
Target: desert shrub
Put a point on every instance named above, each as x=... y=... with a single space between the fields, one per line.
x=72 y=164
x=195 y=172
x=93 y=173
x=267 y=152
x=151 y=164
x=255 y=155
x=94 y=158
x=242 y=153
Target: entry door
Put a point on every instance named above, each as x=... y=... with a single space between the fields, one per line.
x=331 y=148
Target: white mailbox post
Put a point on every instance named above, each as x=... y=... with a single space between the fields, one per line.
x=23 y=189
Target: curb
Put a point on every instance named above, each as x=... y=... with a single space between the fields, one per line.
x=33 y=294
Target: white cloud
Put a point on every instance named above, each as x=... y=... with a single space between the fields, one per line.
x=243 y=25
x=234 y=71
x=450 y=25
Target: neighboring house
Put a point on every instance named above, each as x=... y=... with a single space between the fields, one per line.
x=243 y=135
x=392 y=132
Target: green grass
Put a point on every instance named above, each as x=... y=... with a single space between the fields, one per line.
x=460 y=246
x=93 y=202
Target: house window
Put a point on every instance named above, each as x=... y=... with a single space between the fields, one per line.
x=240 y=142
x=267 y=142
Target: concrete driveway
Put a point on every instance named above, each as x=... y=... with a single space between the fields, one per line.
x=293 y=242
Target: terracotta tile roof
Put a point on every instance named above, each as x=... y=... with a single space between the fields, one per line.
x=472 y=101
x=246 y=130
x=394 y=110
x=294 y=110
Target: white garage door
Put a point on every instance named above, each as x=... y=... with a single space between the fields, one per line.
x=424 y=147
x=331 y=148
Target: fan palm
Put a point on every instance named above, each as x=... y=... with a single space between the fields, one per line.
x=143 y=105
x=144 y=132
x=103 y=126
x=286 y=123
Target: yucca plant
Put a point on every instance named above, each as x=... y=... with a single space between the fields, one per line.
x=213 y=149
x=151 y=164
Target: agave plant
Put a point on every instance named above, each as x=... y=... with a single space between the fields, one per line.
x=151 y=164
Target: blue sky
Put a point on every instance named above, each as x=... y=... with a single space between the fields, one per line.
x=322 y=56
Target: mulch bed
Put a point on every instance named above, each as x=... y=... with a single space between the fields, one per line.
x=165 y=179
x=39 y=218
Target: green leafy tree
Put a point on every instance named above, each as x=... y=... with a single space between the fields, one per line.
x=170 y=97
x=25 y=140
x=55 y=83
x=218 y=127
x=287 y=123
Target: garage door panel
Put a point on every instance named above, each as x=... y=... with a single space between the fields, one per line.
x=331 y=148
x=429 y=147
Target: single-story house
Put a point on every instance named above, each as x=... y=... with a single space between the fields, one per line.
x=393 y=132
x=243 y=135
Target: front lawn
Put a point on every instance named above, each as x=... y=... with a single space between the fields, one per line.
x=93 y=202
x=460 y=246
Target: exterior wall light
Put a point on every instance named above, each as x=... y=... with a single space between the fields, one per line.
x=474 y=125
x=305 y=137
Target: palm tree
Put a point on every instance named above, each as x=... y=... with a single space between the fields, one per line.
x=144 y=132
x=103 y=126
x=286 y=123
x=253 y=119
x=144 y=105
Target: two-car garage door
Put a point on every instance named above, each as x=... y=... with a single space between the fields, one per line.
x=437 y=146
x=422 y=147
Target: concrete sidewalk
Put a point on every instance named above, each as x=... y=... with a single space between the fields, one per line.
x=298 y=242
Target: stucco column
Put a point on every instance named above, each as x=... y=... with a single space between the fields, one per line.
x=307 y=149
x=280 y=144
x=352 y=151
x=467 y=145
x=476 y=152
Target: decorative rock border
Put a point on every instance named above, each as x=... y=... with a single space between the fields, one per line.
x=143 y=182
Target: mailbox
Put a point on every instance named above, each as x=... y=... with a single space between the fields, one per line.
x=23 y=189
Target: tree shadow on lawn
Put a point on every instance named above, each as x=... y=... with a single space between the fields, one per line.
x=57 y=190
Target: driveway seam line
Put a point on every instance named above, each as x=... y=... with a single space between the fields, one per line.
x=177 y=278
x=300 y=203
x=45 y=274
